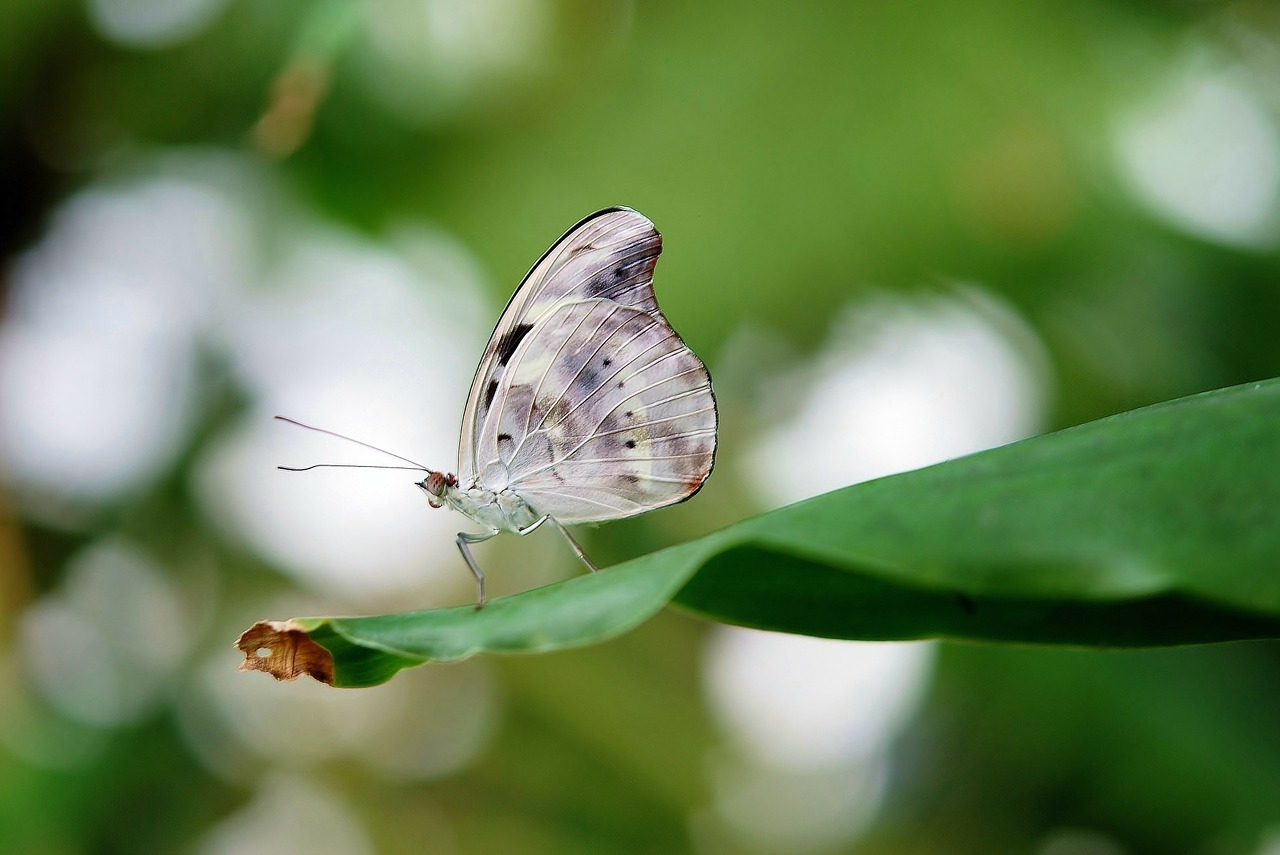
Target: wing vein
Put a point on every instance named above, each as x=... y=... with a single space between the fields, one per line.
x=664 y=356
x=528 y=417
x=641 y=458
x=525 y=476
x=542 y=425
x=577 y=497
x=576 y=374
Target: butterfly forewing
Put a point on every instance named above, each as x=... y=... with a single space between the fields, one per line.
x=610 y=255
x=602 y=413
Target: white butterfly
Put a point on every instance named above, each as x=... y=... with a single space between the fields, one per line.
x=586 y=405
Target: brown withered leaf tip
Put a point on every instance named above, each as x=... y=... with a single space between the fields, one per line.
x=285 y=651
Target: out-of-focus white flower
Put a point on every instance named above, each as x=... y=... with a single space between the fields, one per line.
x=289 y=814
x=153 y=23
x=97 y=351
x=1205 y=156
x=902 y=384
x=102 y=648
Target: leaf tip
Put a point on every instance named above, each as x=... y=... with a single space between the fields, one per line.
x=283 y=649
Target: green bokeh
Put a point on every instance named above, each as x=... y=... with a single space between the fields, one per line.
x=796 y=157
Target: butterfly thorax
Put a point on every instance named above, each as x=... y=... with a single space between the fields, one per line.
x=498 y=511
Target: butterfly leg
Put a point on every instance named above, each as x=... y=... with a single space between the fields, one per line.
x=573 y=544
x=465 y=539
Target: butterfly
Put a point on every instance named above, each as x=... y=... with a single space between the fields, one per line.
x=586 y=405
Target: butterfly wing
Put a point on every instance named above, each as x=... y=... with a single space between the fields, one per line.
x=602 y=413
x=608 y=255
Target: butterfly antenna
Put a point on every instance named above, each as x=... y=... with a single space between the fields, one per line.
x=348 y=466
x=416 y=464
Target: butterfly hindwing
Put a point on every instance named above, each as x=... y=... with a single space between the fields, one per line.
x=610 y=255
x=602 y=414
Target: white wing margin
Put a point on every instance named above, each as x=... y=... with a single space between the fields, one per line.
x=603 y=413
x=608 y=255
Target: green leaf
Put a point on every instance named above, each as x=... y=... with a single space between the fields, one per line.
x=1154 y=527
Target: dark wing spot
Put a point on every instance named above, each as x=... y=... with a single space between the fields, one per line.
x=631 y=443
x=587 y=379
x=631 y=478
x=504 y=437
x=620 y=384
x=510 y=340
x=606 y=283
x=553 y=411
x=489 y=393
x=629 y=414
x=607 y=362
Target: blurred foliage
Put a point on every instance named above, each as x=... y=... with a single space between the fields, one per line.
x=796 y=157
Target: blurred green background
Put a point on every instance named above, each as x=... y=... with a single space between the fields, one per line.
x=896 y=232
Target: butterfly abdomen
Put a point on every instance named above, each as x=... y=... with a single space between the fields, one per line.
x=500 y=510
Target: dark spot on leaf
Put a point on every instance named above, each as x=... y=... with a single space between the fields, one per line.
x=509 y=341
x=489 y=393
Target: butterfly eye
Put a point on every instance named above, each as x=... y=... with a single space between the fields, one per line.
x=435 y=485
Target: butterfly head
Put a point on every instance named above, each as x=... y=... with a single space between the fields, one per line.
x=435 y=485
